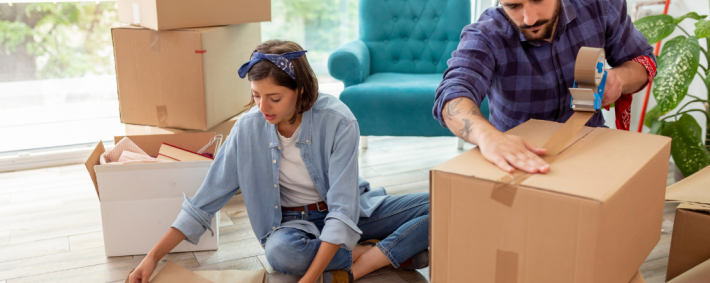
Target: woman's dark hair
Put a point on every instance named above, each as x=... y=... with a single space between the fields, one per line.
x=305 y=78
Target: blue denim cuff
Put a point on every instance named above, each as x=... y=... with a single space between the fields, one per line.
x=189 y=226
x=193 y=222
x=338 y=233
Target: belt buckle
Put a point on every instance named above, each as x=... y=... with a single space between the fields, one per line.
x=318 y=207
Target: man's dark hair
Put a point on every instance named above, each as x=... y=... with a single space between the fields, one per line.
x=305 y=81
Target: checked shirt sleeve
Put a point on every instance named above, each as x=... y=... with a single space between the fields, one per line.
x=470 y=72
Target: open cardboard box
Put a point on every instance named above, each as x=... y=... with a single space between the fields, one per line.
x=186 y=78
x=594 y=217
x=139 y=202
x=690 y=244
x=174 y=14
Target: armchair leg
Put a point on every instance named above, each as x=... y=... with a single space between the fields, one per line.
x=363 y=142
x=459 y=143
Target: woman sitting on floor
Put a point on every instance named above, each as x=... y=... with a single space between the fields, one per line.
x=295 y=159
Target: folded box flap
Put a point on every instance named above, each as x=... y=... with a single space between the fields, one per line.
x=92 y=161
x=593 y=164
x=174 y=273
x=191 y=141
x=693 y=189
x=472 y=163
x=234 y=276
x=699 y=273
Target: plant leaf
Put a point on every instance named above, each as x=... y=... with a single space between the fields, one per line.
x=657 y=127
x=687 y=147
x=681 y=56
x=656 y=27
x=652 y=116
x=692 y=15
x=702 y=29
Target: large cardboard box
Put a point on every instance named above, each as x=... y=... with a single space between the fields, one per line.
x=594 y=217
x=174 y=14
x=690 y=244
x=186 y=79
x=223 y=128
x=139 y=202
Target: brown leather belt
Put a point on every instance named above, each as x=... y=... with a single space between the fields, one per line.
x=321 y=206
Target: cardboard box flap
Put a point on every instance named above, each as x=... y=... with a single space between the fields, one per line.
x=694 y=206
x=693 y=189
x=191 y=141
x=699 y=273
x=174 y=273
x=92 y=161
x=234 y=276
x=582 y=169
x=472 y=163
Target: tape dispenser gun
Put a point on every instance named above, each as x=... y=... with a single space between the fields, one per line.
x=589 y=80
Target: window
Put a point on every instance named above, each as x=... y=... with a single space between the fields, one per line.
x=57 y=77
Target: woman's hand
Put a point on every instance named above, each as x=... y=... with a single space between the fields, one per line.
x=325 y=254
x=142 y=273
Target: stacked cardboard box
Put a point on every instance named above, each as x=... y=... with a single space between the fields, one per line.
x=177 y=74
x=689 y=258
x=179 y=68
x=595 y=217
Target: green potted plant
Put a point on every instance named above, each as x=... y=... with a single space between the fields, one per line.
x=678 y=65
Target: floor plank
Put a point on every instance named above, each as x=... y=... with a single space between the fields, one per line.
x=398 y=179
x=34 y=249
x=86 y=241
x=108 y=272
x=56 y=262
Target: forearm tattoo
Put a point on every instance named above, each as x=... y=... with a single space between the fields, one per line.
x=452 y=110
x=466 y=130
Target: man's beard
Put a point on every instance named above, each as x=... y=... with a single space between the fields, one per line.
x=547 y=26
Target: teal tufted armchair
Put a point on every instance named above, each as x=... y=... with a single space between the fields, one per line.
x=391 y=73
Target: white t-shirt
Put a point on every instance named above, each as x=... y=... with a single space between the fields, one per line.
x=297 y=188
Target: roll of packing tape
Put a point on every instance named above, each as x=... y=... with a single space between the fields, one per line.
x=586 y=72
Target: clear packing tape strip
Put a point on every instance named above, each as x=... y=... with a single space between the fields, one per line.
x=585 y=74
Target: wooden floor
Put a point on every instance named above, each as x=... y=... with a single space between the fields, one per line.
x=50 y=222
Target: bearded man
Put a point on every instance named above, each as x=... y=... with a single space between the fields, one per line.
x=522 y=56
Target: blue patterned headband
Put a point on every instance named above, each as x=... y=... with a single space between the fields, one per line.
x=283 y=61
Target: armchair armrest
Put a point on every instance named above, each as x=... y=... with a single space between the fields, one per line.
x=350 y=63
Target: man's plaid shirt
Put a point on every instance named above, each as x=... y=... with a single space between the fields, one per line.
x=531 y=79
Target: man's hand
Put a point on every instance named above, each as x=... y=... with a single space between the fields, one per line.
x=464 y=119
x=628 y=77
x=612 y=89
x=505 y=150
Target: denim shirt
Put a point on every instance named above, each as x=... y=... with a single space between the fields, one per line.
x=249 y=160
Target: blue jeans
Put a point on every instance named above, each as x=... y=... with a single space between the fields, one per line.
x=401 y=222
